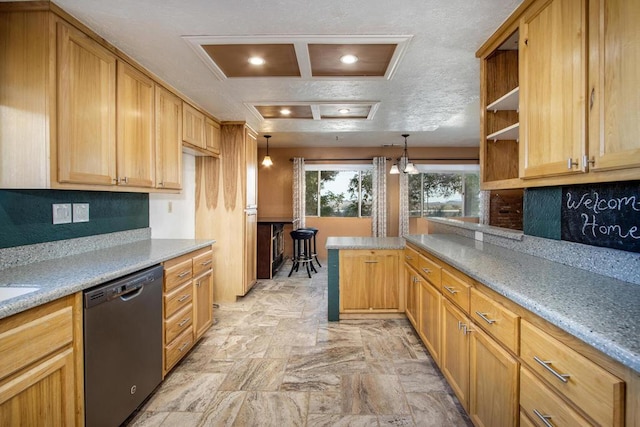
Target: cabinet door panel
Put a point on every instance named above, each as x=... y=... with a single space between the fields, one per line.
x=168 y=140
x=135 y=148
x=383 y=280
x=86 y=148
x=552 y=88
x=493 y=383
x=43 y=393
x=203 y=307
x=614 y=61
x=429 y=326
x=454 y=361
x=212 y=136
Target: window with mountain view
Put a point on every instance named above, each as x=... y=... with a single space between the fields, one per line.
x=338 y=191
x=444 y=194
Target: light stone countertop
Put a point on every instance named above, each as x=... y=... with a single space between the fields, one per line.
x=59 y=277
x=365 y=243
x=601 y=311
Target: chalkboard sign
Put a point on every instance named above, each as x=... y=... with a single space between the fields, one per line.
x=603 y=215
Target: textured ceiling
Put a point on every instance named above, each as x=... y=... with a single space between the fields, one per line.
x=435 y=84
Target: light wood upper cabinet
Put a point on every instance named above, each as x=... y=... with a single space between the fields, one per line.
x=212 y=136
x=168 y=139
x=135 y=139
x=614 y=61
x=86 y=150
x=552 y=88
x=193 y=126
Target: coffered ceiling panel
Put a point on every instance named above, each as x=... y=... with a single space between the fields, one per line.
x=233 y=59
x=285 y=111
x=372 y=59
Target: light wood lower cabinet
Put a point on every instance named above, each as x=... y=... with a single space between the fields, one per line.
x=412 y=280
x=43 y=382
x=369 y=281
x=454 y=359
x=493 y=385
x=505 y=366
x=187 y=303
x=429 y=324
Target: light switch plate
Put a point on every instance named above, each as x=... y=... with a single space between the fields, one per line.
x=81 y=212
x=61 y=213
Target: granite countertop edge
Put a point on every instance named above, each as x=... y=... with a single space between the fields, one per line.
x=604 y=335
x=57 y=278
x=381 y=243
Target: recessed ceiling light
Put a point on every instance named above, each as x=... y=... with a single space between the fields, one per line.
x=285 y=111
x=256 y=60
x=344 y=111
x=349 y=59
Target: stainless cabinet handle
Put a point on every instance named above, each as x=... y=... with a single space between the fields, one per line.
x=451 y=290
x=124 y=180
x=184 y=322
x=460 y=325
x=205 y=263
x=161 y=184
x=484 y=317
x=587 y=161
x=408 y=258
x=592 y=98
x=183 y=297
x=544 y=418
x=416 y=279
x=183 y=346
x=547 y=365
x=426 y=270
x=198 y=283
x=371 y=262
x=571 y=163
x=466 y=330
x=184 y=274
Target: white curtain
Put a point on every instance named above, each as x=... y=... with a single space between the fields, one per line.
x=298 y=193
x=403 y=225
x=379 y=211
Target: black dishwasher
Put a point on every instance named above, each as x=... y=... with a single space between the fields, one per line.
x=122 y=346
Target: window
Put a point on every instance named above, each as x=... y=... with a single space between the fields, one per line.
x=338 y=191
x=449 y=191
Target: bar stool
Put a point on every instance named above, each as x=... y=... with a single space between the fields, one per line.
x=302 y=250
x=314 y=252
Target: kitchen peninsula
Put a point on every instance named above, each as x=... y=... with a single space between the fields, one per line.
x=514 y=305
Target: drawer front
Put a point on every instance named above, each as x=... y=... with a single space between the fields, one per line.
x=178 y=299
x=540 y=403
x=524 y=420
x=45 y=334
x=497 y=320
x=176 y=275
x=455 y=290
x=412 y=257
x=591 y=388
x=178 y=348
x=178 y=323
x=431 y=271
x=202 y=263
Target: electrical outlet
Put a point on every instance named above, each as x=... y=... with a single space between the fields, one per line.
x=81 y=212
x=61 y=213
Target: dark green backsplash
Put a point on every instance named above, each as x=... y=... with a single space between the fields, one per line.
x=542 y=212
x=26 y=215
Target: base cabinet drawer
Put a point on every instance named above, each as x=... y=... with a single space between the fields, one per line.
x=178 y=348
x=543 y=406
x=456 y=290
x=178 y=323
x=498 y=321
x=178 y=299
x=597 y=392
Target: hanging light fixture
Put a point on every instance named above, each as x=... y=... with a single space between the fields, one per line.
x=410 y=167
x=266 y=162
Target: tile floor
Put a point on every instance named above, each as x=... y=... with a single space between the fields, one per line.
x=274 y=360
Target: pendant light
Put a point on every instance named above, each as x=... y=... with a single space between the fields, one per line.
x=410 y=167
x=266 y=162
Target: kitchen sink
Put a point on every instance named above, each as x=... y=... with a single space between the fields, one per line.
x=12 y=291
